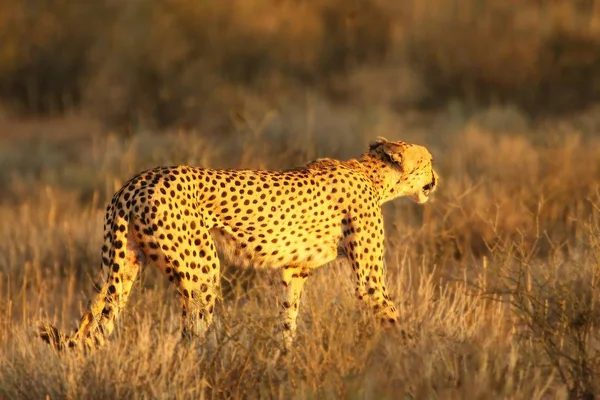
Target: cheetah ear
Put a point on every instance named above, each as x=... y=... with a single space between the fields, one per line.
x=377 y=142
x=393 y=153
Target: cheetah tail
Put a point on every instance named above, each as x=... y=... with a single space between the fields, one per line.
x=122 y=262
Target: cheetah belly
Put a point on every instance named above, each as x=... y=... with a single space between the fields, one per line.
x=238 y=251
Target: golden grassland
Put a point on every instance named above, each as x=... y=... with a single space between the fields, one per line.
x=496 y=278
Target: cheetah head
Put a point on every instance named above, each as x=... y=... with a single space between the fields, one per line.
x=412 y=169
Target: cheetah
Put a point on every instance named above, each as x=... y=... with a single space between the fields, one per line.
x=182 y=218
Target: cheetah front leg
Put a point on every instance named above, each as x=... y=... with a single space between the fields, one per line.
x=363 y=241
x=293 y=283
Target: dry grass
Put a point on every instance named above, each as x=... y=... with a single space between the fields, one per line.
x=497 y=277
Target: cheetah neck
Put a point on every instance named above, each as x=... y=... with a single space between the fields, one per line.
x=383 y=176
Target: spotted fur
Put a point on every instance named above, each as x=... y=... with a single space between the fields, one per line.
x=181 y=218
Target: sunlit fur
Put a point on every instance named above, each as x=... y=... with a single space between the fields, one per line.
x=182 y=218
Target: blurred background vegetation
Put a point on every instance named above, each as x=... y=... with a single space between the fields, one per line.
x=498 y=275
x=177 y=63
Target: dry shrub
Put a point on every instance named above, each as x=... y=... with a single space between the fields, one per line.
x=177 y=62
x=555 y=303
x=44 y=49
x=507 y=186
x=188 y=63
x=539 y=56
x=472 y=52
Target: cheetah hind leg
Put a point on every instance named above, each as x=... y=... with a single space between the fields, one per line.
x=196 y=272
x=193 y=267
x=293 y=279
x=199 y=288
